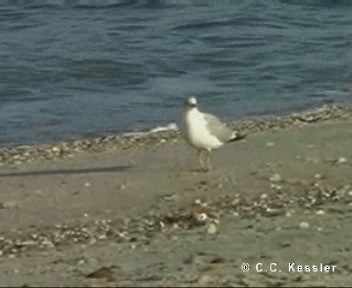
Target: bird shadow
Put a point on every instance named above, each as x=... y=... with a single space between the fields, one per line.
x=121 y=168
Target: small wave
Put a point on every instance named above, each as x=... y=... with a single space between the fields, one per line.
x=166 y=128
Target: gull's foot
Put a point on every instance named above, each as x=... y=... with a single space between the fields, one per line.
x=199 y=170
x=202 y=169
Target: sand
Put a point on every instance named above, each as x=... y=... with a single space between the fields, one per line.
x=144 y=217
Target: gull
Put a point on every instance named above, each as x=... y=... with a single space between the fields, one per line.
x=205 y=132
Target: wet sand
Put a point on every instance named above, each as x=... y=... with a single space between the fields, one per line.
x=143 y=217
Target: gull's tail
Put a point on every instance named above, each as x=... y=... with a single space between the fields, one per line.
x=237 y=135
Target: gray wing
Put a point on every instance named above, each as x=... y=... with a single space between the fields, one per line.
x=217 y=128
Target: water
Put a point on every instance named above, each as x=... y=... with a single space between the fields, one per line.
x=71 y=69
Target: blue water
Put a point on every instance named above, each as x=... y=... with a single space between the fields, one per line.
x=71 y=69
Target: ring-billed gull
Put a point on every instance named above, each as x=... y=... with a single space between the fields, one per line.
x=205 y=132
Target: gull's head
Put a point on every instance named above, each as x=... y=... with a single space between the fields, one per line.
x=191 y=102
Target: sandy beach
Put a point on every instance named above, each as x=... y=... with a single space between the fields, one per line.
x=138 y=214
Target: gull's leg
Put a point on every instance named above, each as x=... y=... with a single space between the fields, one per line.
x=207 y=162
x=200 y=157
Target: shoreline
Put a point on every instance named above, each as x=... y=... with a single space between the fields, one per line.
x=57 y=150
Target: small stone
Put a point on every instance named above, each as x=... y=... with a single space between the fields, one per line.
x=276 y=187
x=10 y=205
x=212 y=229
x=304 y=225
x=102 y=237
x=273 y=211
x=205 y=279
x=55 y=149
x=276 y=177
x=320 y=212
x=341 y=160
x=39 y=192
x=312 y=160
x=318 y=176
x=48 y=243
x=103 y=273
x=197 y=202
x=123 y=186
x=201 y=217
x=27 y=243
x=87 y=184
x=81 y=262
x=92 y=241
x=270 y=144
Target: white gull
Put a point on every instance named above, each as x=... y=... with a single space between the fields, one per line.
x=205 y=132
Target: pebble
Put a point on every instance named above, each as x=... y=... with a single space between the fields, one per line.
x=212 y=229
x=318 y=176
x=201 y=217
x=270 y=144
x=10 y=205
x=198 y=202
x=312 y=160
x=48 y=243
x=92 y=241
x=205 y=279
x=81 y=262
x=87 y=184
x=276 y=177
x=273 y=211
x=277 y=187
x=320 y=212
x=104 y=273
x=123 y=186
x=304 y=225
x=39 y=192
x=341 y=160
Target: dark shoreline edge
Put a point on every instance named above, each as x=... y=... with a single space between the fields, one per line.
x=28 y=153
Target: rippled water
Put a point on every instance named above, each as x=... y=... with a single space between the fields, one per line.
x=86 y=68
